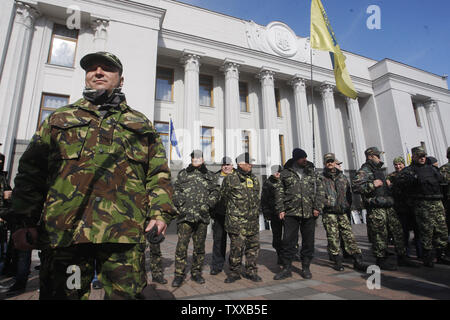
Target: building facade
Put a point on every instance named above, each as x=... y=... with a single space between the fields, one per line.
x=229 y=85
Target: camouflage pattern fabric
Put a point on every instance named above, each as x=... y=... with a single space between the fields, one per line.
x=241 y=195
x=380 y=223
x=186 y=230
x=121 y=271
x=268 y=198
x=90 y=178
x=299 y=196
x=156 y=267
x=196 y=192
x=338 y=195
x=243 y=245
x=430 y=217
x=338 y=226
x=445 y=172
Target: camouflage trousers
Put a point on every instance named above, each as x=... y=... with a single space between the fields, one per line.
x=381 y=222
x=430 y=218
x=66 y=273
x=338 y=226
x=156 y=260
x=186 y=230
x=241 y=244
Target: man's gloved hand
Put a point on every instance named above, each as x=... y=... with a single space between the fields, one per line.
x=25 y=239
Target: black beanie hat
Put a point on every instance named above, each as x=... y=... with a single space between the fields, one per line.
x=298 y=153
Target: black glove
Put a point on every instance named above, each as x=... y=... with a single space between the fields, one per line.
x=153 y=237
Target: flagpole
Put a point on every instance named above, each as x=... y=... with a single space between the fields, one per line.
x=312 y=105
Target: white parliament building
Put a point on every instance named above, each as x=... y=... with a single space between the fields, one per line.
x=228 y=84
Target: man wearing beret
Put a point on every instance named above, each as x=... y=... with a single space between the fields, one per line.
x=218 y=228
x=299 y=199
x=196 y=192
x=404 y=207
x=240 y=191
x=371 y=183
x=423 y=182
x=92 y=181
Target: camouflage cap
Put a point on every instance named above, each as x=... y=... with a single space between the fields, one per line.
x=373 y=151
x=418 y=151
x=398 y=160
x=244 y=157
x=329 y=156
x=276 y=168
x=226 y=160
x=196 y=154
x=109 y=58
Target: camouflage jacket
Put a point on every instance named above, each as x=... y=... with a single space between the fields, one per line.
x=196 y=192
x=240 y=192
x=268 y=197
x=219 y=209
x=445 y=171
x=299 y=196
x=373 y=197
x=92 y=179
x=421 y=182
x=338 y=194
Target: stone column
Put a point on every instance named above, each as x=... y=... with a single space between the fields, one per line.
x=271 y=137
x=191 y=136
x=357 y=131
x=233 y=145
x=100 y=27
x=14 y=76
x=302 y=118
x=331 y=127
x=422 y=112
x=437 y=137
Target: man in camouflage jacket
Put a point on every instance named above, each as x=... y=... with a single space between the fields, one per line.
x=240 y=191
x=338 y=201
x=268 y=209
x=196 y=192
x=423 y=183
x=404 y=207
x=371 y=183
x=445 y=171
x=93 y=180
x=299 y=199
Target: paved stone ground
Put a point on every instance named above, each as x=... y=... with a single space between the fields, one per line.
x=326 y=284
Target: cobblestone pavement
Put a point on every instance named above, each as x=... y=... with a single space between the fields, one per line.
x=326 y=284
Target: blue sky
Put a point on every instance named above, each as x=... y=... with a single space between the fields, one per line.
x=414 y=32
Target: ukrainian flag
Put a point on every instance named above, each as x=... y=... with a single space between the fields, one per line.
x=323 y=38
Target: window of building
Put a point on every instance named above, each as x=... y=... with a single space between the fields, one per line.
x=417 y=116
x=206 y=90
x=63 y=46
x=164 y=84
x=245 y=141
x=163 y=129
x=49 y=103
x=243 y=96
x=278 y=102
x=282 y=157
x=207 y=139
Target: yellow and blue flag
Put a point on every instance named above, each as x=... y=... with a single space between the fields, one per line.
x=173 y=138
x=323 y=38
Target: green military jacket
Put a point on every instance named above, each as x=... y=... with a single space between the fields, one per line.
x=219 y=209
x=92 y=179
x=299 y=196
x=363 y=183
x=338 y=194
x=196 y=192
x=240 y=192
x=268 y=197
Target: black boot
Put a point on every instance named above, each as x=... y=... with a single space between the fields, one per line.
x=358 y=263
x=405 y=261
x=338 y=263
x=441 y=258
x=306 y=273
x=428 y=258
x=177 y=281
x=283 y=274
x=385 y=265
